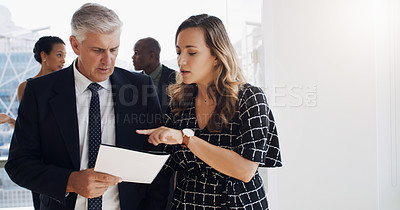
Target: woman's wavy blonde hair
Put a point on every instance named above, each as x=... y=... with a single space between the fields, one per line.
x=229 y=76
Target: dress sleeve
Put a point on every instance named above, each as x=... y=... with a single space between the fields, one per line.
x=258 y=138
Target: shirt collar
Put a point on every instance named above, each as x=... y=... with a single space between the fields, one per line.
x=81 y=82
x=156 y=72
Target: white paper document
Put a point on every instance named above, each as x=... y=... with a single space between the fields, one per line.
x=130 y=165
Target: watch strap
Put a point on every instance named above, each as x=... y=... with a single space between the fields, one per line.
x=185 y=139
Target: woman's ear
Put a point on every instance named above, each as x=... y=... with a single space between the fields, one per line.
x=43 y=56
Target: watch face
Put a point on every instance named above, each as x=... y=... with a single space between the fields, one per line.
x=188 y=132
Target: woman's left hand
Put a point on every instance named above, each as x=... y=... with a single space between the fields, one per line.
x=163 y=135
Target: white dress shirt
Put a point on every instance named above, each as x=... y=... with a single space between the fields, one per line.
x=110 y=197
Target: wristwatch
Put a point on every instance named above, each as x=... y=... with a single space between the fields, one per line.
x=187 y=135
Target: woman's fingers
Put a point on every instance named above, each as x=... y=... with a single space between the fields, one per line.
x=153 y=141
x=162 y=135
x=146 y=131
x=153 y=136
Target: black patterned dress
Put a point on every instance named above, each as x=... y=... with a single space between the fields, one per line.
x=251 y=133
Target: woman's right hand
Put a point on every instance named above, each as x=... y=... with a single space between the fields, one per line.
x=163 y=135
x=7 y=119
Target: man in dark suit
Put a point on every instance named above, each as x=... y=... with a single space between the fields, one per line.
x=146 y=57
x=64 y=116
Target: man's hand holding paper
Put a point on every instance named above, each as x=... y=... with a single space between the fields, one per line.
x=130 y=165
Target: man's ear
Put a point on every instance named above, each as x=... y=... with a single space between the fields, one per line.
x=74 y=44
x=153 y=55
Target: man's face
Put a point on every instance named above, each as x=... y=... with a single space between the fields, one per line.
x=141 y=57
x=97 y=54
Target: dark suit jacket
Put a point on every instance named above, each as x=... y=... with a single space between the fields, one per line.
x=167 y=78
x=45 y=144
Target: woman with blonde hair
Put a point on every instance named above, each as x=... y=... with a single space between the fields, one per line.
x=218 y=129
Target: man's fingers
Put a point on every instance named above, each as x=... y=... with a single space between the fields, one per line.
x=90 y=183
x=107 y=178
x=97 y=191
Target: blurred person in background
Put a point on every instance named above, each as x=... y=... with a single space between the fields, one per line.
x=50 y=52
x=146 y=57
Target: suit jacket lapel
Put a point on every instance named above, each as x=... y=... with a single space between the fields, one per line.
x=63 y=105
x=116 y=87
x=127 y=108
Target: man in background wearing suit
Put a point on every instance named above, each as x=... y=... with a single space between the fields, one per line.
x=64 y=116
x=146 y=57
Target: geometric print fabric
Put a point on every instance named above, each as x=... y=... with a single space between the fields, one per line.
x=251 y=133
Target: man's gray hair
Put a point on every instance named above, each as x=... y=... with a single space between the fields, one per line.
x=94 y=18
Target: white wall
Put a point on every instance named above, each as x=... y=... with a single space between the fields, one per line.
x=333 y=80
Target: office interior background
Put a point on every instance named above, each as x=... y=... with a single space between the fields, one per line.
x=330 y=69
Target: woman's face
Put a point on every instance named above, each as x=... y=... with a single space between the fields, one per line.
x=195 y=61
x=56 y=58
